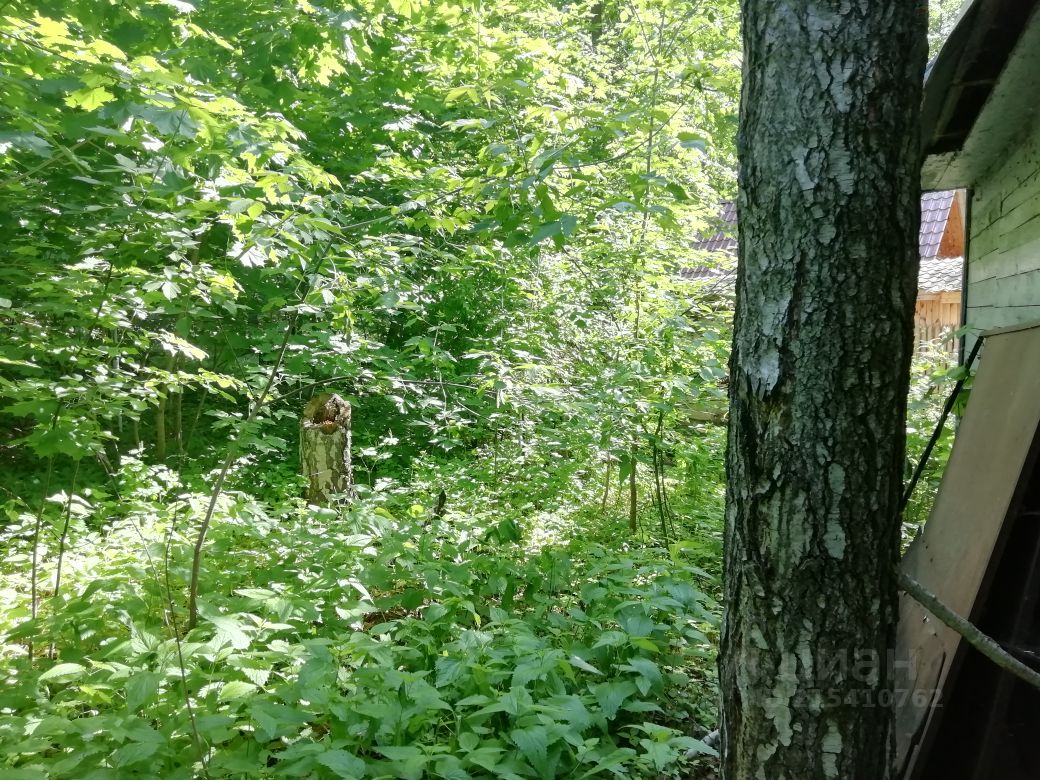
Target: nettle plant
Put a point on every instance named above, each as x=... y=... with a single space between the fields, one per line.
x=375 y=643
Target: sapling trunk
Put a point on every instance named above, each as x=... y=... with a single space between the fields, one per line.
x=633 y=495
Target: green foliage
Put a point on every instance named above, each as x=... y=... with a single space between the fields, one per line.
x=933 y=378
x=376 y=643
x=458 y=227
x=466 y=218
x=470 y=220
x=942 y=15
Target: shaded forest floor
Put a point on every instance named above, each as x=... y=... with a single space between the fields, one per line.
x=525 y=632
x=371 y=641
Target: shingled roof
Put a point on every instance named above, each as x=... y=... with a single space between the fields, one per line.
x=935 y=211
x=938 y=274
x=725 y=239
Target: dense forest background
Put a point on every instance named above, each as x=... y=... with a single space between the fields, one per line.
x=475 y=223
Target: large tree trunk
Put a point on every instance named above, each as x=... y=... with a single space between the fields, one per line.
x=325 y=434
x=829 y=214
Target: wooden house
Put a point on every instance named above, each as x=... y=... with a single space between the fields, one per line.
x=938 y=312
x=958 y=714
x=980 y=133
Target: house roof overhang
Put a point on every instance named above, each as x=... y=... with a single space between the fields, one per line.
x=981 y=91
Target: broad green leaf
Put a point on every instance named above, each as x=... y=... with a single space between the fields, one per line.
x=548 y=230
x=580 y=663
x=644 y=667
x=107 y=49
x=343 y=763
x=229 y=631
x=611 y=695
x=63 y=672
x=141 y=688
x=134 y=753
x=276 y=720
x=533 y=743
x=236 y=689
x=400 y=752
x=89 y=98
x=487 y=757
x=678 y=192
x=28 y=141
x=24 y=773
x=404 y=7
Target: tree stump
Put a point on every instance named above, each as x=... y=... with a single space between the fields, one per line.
x=325 y=449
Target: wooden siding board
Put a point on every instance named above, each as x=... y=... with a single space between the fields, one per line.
x=1016 y=167
x=1013 y=182
x=1024 y=234
x=1003 y=274
x=1026 y=187
x=987 y=267
x=985 y=242
x=982 y=294
x=989 y=317
x=951 y=555
x=1018 y=290
x=1013 y=290
x=1007 y=291
x=1015 y=217
x=1024 y=259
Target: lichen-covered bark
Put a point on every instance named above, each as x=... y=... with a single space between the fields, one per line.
x=828 y=210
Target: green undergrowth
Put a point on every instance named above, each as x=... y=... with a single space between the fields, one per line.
x=375 y=642
x=934 y=374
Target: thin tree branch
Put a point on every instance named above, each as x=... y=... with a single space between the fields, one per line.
x=218 y=485
x=171 y=620
x=986 y=645
x=34 y=574
x=64 y=536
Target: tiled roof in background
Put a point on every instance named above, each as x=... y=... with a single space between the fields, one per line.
x=726 y=239
x=940 y=274
x=935 y=210
x=937 y=274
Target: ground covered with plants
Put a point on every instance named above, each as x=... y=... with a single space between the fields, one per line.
x=471 y=221
x=371 y=643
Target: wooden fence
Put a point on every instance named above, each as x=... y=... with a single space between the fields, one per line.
x=937 y=315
